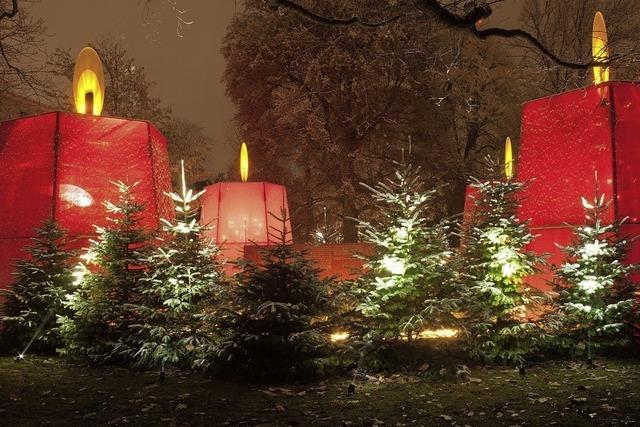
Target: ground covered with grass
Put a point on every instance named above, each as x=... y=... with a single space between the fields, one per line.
x=51 y=391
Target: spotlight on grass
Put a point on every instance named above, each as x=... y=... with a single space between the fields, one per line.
x=339 y=336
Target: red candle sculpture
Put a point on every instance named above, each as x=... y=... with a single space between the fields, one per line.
x=60 y=165
x=238 y=214
x=569 y=139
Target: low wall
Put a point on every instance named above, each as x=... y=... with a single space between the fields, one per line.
x=336 y=259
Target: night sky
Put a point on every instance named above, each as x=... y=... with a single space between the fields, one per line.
x=188 y=69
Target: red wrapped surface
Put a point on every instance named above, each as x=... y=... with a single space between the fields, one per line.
x=10 y=250
x=62 y=164
x=92 y=152
x=626 y=98
x=546 y=244
x=26 y=174
x=565 y=139
x=161 y=173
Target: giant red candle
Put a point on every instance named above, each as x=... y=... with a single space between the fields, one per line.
x=60 y=165
x=237 y=214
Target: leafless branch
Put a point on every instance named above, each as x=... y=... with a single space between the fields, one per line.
x=471 y=21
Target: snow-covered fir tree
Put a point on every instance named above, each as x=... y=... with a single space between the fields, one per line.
x=407 y=286
x=41 y=283
x=494 y=266
x=595 y=294
x=107 y=291
x=277 y=314
x=181 y=291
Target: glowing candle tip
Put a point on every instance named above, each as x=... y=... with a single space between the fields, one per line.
x=88 y=83
x=244 y=162
x=508 y=159
x=600 y=48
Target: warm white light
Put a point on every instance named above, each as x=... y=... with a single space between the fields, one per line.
x=438 y=333
x=591 y=250
x=589 y=285
x=393 y=264
x=75 y=195
x=428 y=334
x=339 y=336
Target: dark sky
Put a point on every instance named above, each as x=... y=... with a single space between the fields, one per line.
x=187 y=69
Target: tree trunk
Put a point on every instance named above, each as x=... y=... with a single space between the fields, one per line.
x=349 y=224
x=455 y=201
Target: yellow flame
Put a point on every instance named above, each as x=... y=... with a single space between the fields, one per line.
x=244 y=162
x=600 y=48
x=88 y=78
x=508 y=159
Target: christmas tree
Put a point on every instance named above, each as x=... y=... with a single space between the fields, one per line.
x=495 y=264
x=595 y=295
x=407 y=286
x=108 y=286
x=277 y=313
x=35 y=298
x=181 y=291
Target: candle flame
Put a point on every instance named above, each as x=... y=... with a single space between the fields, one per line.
x=88 y=83
x=508 y=159
x=244 y=162
x=600 y=48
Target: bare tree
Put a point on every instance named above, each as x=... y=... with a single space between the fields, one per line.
x=565 y=27
x=327 y=107
x=150 y=15
x=23 y=71
x=464 y=15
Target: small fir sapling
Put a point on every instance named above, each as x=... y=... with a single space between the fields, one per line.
x=276 y=319
x=41 y=284
x=495 y=263
x=181 y=291
x=102 y=307
x=595 y=293
x=407 y=284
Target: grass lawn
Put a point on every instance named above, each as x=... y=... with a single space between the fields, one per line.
x=50 y=391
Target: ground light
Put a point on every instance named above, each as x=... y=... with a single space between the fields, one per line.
x=339 y=336
x=21 y=356
x=425 y=334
